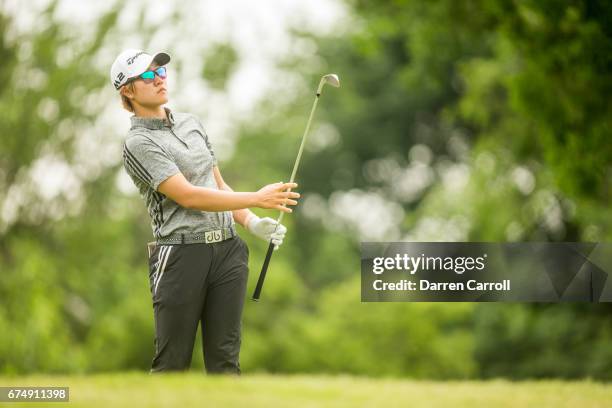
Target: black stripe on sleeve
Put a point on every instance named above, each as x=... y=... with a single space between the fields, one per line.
x=129 y=164
x=136 y=162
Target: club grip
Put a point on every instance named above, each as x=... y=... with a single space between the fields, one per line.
x=262 y=274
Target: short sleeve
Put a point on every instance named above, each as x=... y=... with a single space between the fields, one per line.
x=147 y=162
x=206 y=140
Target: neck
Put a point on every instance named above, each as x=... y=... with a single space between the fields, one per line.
x=150 y=112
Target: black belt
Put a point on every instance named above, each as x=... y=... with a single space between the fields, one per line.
x=208 y=237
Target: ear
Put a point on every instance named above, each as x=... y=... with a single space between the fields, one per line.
x=127 y=92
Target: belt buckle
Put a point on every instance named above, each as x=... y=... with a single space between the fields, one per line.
x=213 y=236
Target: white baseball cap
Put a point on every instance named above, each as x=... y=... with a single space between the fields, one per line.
x=131 y=63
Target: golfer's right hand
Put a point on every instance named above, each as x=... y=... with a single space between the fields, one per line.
x=276 y=196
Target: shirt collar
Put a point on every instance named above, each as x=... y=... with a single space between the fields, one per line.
x=153 y=123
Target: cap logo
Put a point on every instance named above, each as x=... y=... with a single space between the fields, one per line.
x=130 y=60
x=119 y=79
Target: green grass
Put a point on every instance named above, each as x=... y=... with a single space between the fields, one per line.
x=193 y=389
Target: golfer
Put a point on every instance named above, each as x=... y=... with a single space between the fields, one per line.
x=198 y=265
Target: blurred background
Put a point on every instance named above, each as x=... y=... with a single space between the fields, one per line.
x=456 y=121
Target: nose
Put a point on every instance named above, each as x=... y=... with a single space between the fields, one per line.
x=158 y=80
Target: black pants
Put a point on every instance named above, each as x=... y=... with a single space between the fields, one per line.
x=192 y=283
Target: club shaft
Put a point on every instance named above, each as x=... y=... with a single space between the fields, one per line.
x=264 y=267
x=299 y=155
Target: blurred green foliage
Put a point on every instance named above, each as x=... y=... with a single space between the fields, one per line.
x=492 y=116
x=219 y=64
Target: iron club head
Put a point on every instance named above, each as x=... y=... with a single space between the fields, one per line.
x=332 y=79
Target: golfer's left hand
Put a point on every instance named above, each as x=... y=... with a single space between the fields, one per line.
x=264 y=229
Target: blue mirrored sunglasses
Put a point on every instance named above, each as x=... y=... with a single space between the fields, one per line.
x=149 y=76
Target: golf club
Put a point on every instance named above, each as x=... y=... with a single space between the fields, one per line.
x=334 y=81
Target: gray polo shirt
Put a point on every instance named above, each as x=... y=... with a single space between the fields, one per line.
x=156 y=149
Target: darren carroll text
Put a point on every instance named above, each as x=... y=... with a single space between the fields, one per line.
x=424 y=284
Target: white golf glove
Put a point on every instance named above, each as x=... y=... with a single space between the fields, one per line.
x=264 y=229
